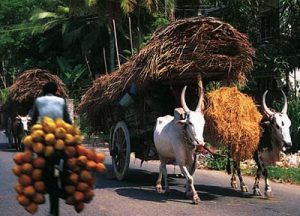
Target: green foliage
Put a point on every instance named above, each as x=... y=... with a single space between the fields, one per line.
x=291 y=175
x=294 y=114
x=76 y=78
x=4 y=95
x=217 y=163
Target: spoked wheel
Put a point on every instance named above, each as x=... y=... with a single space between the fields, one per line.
x=120 y=150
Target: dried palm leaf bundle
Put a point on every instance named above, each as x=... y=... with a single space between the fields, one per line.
x=233 y=120
x=30 y=83
x=27 y=87
x=179 y=52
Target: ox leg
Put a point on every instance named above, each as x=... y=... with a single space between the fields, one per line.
x=158 y=181
x=190 y=183
x=256 y=190
x=244 y=187
x=268 y=190
x=16 y=143
x=162 y=173
x=233 y=178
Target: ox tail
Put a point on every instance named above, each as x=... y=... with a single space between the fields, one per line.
x=228 y=165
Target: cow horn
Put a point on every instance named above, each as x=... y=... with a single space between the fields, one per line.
x=183 y=104
x=266 y=109
x=198 y=108
x=284 y=110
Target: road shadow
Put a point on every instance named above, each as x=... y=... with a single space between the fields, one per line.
x=140 y=184
x=6 y=149
x=208 y=190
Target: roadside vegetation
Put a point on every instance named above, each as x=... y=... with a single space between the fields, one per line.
x=275 y=173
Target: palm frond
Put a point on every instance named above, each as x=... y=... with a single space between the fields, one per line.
x=128 y=5
x=40 y=15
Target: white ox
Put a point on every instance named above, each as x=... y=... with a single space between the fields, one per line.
x=175 y=139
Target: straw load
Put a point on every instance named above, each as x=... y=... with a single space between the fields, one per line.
x=49 y=141
x=233 y=120
x=178 y=53
x=28 y=86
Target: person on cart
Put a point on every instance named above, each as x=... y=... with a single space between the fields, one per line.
x=54 y=107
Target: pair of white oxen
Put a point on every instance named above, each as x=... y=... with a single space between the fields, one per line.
x=176 y=138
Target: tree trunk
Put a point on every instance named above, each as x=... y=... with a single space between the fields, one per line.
x=112 y=50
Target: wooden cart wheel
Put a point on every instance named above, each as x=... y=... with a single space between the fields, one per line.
x=120 y=151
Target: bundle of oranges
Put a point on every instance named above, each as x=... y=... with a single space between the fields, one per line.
x=56 y=138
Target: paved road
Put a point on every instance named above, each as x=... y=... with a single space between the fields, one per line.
x=137 y=196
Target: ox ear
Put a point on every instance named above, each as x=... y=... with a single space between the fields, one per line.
x=179 y=114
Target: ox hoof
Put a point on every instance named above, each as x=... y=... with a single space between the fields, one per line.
x=159 y=189
x=256 y=192
x=244 y=188
x=196 y=199
x=234 y=184
x=268 y=194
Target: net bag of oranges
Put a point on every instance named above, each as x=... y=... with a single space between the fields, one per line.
x=56 y=140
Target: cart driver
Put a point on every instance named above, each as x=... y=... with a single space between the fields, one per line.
x=54 y=107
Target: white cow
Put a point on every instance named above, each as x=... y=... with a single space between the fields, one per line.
x=175 y=139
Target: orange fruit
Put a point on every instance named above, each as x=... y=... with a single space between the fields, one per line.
x=59 y=145
x=32 y=208
x=18 y=158
x=36 y=127
x=17 y=170
x=24 y=180
x=78 y=196
x=100 y=167
x=23 y=200
x=39 y=186
x=38 y=198
x=29 y=191
x=49 y=150
x=37 y=174
x=38 y=147
x=27 y=168
x=100 y=157
x=19 y=188
x=60 y=133
x=38 y=136
x=28 y=141
x=50 y=139
x=39 y=162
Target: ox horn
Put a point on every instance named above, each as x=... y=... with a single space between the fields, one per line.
x=198 y=108
x=266 y=109
x=183 y=104
x=284 y=109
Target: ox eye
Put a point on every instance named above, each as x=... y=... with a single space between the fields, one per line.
x=277 y=126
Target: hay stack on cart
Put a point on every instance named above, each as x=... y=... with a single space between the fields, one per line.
x=28 y=86
x=232 y=120
x=176 y=55
x=126 y=102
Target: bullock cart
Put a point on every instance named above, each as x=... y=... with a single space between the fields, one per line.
x=127 y=102
x=22 y=94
